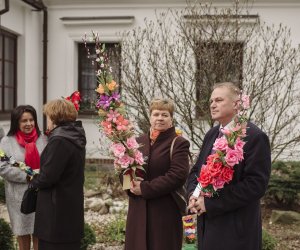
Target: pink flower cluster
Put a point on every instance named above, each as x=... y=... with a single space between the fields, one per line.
x=112 y=115
x=127 y=154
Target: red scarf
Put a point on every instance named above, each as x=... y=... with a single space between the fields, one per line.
x=32 y=156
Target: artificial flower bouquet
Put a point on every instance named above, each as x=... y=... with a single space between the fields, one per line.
x=189 y=228
x=228 y=152
x=113 y=121
x=28 y=170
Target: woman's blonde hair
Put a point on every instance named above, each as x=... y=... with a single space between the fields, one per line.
x=162 y=104
x=60 y=111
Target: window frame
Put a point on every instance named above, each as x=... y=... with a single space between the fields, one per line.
x=4 y=113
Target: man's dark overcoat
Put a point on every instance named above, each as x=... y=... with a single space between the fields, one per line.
x=233 y=218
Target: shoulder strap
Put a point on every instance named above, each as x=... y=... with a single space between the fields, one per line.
x=172 y=146
x=171 y=150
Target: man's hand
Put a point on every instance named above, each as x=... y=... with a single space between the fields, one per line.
x=200 y=205
x=191 y=205
x=196 y=205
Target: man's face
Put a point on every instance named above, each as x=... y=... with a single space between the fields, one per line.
x=223 y=106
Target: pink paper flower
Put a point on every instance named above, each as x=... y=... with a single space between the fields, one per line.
x=118 y=149
x=232 y=157
x=112 y=116
x=132 y=143
x=218 y=183
x=239 y=145
x=138 y=157
x=245 y=101
x=125 y=161
x=220 y=144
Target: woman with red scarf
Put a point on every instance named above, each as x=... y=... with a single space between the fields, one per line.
x=24 y=143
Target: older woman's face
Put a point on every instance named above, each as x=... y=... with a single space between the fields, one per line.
x=50 y=124
x=160 y=120
x=26 y=123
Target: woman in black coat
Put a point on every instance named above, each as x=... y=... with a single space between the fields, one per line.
x=59 y=217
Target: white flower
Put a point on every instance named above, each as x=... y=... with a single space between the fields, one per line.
x=98 y=60
x=97 y=51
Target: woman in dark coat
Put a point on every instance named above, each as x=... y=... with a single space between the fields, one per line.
x=154 y=221
x=59 y=217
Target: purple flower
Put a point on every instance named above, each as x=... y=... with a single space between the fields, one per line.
x=115 y=96
x=104 y=101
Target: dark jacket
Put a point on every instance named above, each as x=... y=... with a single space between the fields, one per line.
x=59 y=212
x=154 y=220
x=233 y=219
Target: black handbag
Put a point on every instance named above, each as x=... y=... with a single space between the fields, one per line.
x=179 y=195
x=28 y=204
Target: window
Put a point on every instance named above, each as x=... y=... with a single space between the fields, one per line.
x=216 y=62
x=87 y=79
x=8 y=71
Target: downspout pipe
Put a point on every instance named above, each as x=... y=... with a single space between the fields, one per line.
x=39 y=6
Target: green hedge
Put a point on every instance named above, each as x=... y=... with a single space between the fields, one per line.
x=284 y=185
x=6 y=236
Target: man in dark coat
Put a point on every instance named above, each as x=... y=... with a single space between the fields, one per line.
x=232 y=219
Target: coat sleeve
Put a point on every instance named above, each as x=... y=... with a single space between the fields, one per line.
x=58 y=153
x=7 y=171
x=173 y=178
x=254 y=181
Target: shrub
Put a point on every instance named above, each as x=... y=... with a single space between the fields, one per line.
x=6 y=236
x=2 y=191
x=89 y=237
x=114 y=231
x=284 y=185
x=268 y=242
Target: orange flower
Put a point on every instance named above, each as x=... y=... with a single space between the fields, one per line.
x=112 y=85
x=100 y=89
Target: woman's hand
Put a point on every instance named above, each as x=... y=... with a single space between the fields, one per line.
x=136 y=186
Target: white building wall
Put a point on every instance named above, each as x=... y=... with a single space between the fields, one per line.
x=63 y=39
x=27 y=25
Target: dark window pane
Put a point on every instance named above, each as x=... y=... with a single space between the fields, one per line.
x=9 y=99
x=9 y=44
x=8 y=84
x=9 y=71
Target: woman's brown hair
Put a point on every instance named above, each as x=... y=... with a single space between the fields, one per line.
x=60 y=111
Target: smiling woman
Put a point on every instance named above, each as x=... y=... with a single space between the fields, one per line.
x=24 y=143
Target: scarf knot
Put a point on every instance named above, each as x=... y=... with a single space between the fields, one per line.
x=28 y=141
